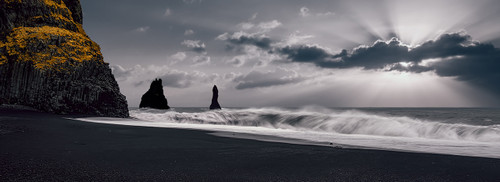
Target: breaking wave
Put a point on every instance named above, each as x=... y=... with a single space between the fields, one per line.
x=314 y=119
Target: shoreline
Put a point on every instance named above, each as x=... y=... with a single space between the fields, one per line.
x=470 y=148
x=45 y=147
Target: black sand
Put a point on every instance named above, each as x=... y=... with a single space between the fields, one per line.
x=43 y=147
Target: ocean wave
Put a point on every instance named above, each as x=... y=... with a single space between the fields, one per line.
x=324 y=120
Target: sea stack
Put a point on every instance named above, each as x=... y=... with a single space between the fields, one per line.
x=48 y=62
x=154 y=97
x=215 y=96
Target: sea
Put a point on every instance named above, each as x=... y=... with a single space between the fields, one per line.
x=452 y=131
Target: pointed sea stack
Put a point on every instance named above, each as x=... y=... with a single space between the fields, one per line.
x=154 y=97
x=48 y=62
x=215 y=96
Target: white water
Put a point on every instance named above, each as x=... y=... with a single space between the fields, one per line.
x=324 y=126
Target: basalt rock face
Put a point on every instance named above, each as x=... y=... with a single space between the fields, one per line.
x=48 y=62
x=215 y=96
x=154 y=97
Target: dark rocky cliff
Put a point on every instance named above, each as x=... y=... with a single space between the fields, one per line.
x=215 y=96
x=154 y=97
x=48 y=62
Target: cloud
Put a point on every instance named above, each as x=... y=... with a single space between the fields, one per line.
x=142 y=29
x=168 y=12
x=454 y=55
x=376 y=56
x=237 y=61
x=258 y=79
x=242 y=38
x=296 y=38
x=259 y=28
x=250 y=34
x=254 y=49
x=384 y=53
x=197 y=60
x=231 y=75
x=195 y=45
x=189 y=32
x=267 y=26
x=252 y=56
x=179 y=56
x=246 y=25
x=304 y=11
x=307 y=53
x=201 y=60
x=478 y=69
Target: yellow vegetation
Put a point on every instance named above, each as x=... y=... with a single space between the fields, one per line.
x=80 y=28
x=3 y=59
x=53 y=3
x=48 y=47
x=12 y=1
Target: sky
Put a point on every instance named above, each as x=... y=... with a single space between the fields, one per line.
x=293 y=53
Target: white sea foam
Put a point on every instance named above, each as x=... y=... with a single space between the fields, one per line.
x=346 y=128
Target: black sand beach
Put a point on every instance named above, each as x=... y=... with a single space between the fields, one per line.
x=44 y=147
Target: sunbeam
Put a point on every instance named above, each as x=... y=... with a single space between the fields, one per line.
x=413 y=21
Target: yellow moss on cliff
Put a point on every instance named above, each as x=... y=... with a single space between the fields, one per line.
x=53 y=3
x=12 y=1
x=47 y=47
x=3 y=59
x=59 y=12
x=80 y=29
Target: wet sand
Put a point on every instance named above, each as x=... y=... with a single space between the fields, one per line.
x=45 y=147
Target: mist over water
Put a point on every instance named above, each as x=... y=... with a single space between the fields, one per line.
x=471 y=132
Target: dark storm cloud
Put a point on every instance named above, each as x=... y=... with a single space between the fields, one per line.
x=415 y=68
x=473 y=62
x=470 y=61
x=447 y=45
x=239 y=39
x=381 y=54
x=456 y=55
x=303 y=53
x=480 y=70
x=376 y=56
x=264 y=43
x=256 y=79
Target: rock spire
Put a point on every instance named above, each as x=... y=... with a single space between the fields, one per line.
x=215 y=96
x=154 y=97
